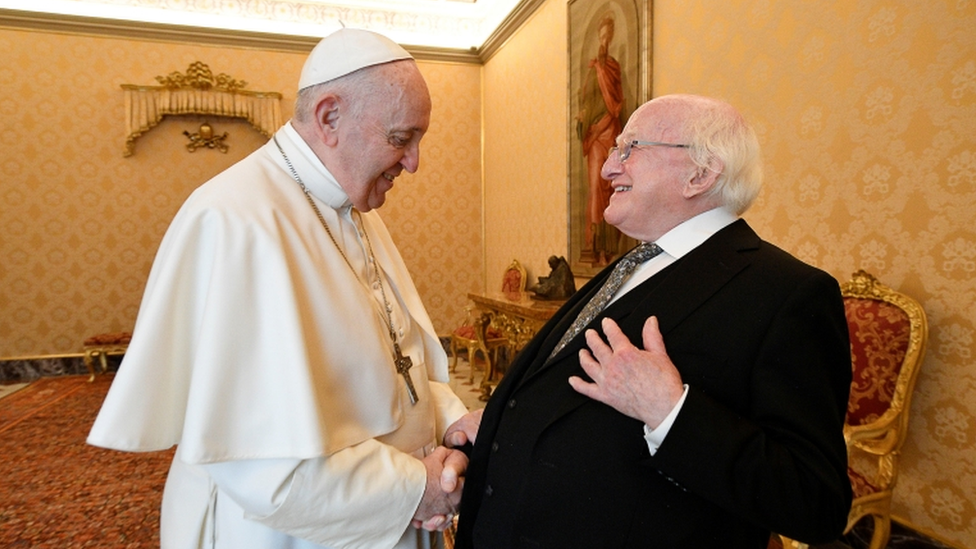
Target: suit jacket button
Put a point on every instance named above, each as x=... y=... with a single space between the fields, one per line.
x=494 y=446
x=511 y=403
x=488 y=490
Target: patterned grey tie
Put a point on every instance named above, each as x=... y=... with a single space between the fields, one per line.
x=621 y=272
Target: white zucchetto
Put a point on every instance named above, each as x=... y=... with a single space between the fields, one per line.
x=345 y=51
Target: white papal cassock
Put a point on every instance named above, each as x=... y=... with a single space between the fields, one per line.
x=270 y=365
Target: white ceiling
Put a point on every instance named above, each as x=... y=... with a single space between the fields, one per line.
x=449 y=24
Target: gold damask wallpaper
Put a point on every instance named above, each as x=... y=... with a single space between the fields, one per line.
x=80 y=224
x=525 y=147
x=866 y=112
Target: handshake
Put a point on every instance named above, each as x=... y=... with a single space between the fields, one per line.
x=445 y=475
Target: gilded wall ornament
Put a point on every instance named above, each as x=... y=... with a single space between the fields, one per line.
x=206 y=137
x=198 y=75
x=197 y=92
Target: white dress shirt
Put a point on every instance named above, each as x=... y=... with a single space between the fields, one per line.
x=675 y=244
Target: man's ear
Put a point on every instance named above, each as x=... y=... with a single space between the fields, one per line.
x=703 y=179
x=327 y=118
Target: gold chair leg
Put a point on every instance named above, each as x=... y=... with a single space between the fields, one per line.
x=882 y=531
x=472 y=349
x=489 y=368
x=792 y=543
x=453 y=365
x=89 y=364
x=486 y=380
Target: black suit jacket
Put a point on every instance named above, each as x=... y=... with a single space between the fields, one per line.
x=762 y=342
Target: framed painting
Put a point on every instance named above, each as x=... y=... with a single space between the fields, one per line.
x=609 y=76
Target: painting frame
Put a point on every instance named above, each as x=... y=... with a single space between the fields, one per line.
x=592 y=244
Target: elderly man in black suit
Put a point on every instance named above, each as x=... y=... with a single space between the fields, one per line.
x=690 y=395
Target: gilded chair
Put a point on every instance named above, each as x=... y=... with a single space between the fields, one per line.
x=102 y=346
x=888 y=336
x=477 y=333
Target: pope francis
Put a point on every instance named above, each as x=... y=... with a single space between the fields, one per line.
x=281 y=344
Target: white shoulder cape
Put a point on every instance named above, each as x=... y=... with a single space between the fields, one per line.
x=253 y=339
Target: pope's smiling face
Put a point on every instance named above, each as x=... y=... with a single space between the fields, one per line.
x=384 y=138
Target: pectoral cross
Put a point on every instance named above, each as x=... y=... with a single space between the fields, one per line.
x=403 y=365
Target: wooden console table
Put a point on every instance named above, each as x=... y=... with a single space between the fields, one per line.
x=517 y=316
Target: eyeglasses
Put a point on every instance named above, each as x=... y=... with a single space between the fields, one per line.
x=623 y=151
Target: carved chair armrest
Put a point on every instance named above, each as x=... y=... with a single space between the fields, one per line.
x=481 y=325
x=872 y=438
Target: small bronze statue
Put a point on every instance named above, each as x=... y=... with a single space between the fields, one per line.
x=560 y=284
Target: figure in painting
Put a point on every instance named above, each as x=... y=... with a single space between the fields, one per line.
x=598 y=123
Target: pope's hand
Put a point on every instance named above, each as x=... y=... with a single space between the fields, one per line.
x=464 y=430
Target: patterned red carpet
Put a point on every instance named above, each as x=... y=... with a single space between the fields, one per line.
x=57 y=491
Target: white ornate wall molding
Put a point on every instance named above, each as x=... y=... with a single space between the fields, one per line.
x=450 y=30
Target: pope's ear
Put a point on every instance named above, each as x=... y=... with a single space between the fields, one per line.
x=327 y=117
